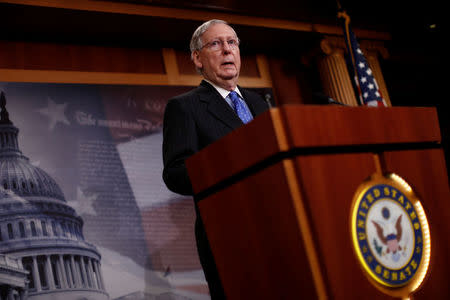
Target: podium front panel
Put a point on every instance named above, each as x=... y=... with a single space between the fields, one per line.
x=329 y=183
x=256 y=239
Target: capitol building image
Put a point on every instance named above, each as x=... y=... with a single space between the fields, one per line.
x=43 y=254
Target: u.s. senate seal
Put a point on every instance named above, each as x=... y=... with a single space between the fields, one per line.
x=390 y=234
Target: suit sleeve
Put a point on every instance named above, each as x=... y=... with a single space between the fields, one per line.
x=179 y=142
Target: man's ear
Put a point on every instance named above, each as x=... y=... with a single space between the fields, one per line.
x=196 y=60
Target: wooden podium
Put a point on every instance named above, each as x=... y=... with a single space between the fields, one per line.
x=277 y=193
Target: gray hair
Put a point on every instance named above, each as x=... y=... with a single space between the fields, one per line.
x=196 y=40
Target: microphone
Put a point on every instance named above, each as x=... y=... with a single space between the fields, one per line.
x=267 y=97
x=324 y=99
x=332 y=101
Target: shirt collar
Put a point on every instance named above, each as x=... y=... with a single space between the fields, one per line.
x=223 y=92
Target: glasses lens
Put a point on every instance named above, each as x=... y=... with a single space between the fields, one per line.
x=217 y=45
x=233 y=44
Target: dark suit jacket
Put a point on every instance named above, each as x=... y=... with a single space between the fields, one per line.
x=192 y=121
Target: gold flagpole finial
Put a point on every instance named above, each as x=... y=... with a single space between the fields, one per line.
x=342 y=13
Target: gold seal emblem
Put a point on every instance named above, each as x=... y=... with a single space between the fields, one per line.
x=390 y=234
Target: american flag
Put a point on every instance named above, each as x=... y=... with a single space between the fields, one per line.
x=367 y=89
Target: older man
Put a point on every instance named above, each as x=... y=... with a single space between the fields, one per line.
x=198 y=118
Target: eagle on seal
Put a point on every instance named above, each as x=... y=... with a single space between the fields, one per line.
x=391 y=240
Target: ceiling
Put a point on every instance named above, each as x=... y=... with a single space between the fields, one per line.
x=378 y=14
x=408 y=24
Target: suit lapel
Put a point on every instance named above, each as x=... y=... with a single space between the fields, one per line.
x=218 y=107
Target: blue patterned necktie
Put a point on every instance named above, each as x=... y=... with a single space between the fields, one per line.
x=239 y=107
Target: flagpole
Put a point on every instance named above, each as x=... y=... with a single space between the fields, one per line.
x=342 y=14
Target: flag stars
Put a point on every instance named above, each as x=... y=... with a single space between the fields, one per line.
x=361 y=65
x=371 y=86
x=363 y=79
x=55 y=112
x=369 y=72
x=85 y=202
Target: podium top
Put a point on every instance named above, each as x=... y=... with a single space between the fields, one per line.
x=311 y=129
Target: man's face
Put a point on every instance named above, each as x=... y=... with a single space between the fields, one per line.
x=221 y=66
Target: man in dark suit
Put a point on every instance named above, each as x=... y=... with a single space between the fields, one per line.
x=196 y=119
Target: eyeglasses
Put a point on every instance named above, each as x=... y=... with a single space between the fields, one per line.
x=217 y=45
